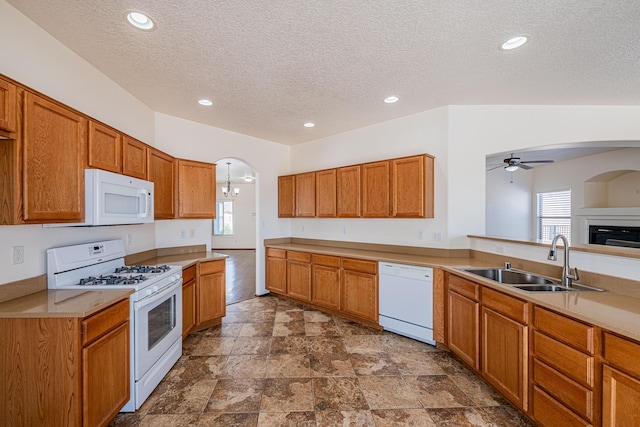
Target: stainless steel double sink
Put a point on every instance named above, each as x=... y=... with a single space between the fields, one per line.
x=527 y=281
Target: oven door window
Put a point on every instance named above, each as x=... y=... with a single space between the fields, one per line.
x=160 y=322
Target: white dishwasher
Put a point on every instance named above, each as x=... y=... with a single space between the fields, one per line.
x=406 y=300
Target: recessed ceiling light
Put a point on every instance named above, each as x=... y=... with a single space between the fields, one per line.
x=309 y=125
x=514 y=42
x=140 y=20
x=391 y=99
x=205 y=102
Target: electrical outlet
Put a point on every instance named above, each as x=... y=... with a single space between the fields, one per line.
x=500 y=249
x=344 y=230
x=18 y=254
x=192 y=233
x=437 y=236
x=183 y=234
x=129 y=239
x=420 y=234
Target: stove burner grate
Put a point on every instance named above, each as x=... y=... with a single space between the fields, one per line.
x=143 y=269
x=112 y=280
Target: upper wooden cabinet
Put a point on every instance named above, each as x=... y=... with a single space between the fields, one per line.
x=326 y=193
x=105 y=148
x=348 y=192
x=54 y=158
x=376 y=185
x=134 y=158
x=306 y=194
x=395 y=188
x=8 y=106
x=161 y=171
x=412 y=187
x=196 y=189
x=286 y=196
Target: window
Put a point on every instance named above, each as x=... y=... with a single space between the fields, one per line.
x=223 y=224
x=554 y=215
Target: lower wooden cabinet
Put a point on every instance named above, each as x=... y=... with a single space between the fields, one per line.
x=325 y=279
x=65 y=371
x=463 y=320
x=210 y=291
x=299 y=275
x=188 y=300
x=360 y=288
x=276 y=270
x=620 y=382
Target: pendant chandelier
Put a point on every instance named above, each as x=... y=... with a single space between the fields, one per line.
x=227 y=190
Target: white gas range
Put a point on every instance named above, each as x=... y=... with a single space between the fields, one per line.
x=156 y=305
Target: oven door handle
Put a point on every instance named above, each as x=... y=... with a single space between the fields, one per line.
x=158 y=296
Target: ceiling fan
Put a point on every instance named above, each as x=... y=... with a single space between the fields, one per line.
x=514 y=163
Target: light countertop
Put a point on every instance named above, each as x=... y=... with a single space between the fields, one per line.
x=183 y=260
x=70 y=303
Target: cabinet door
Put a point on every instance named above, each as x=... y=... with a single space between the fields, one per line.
x=54 y=150
x=325 y=286
x=188 y=307
x=8 y=106
x=463 y=328
x=306 y=194
x=160 y=170
x=134 y=158
x=326 y=193
x=376 y=189
x=408 y=187
x=211 y=297
x=504 y=356
x=299 y=280
x=196 y=190
x=620 y=398
x=360 y=295
x=105 y=376
x=348 y=192
x=277 y=275
x=105 y=148
x=286 y=196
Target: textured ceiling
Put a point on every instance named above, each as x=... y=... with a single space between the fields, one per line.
x=271 y=65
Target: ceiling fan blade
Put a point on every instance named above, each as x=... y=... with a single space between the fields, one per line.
x=525 y=167
x=539 y=161
x=495 y=167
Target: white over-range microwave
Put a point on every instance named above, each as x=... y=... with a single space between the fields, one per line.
x=114 y=199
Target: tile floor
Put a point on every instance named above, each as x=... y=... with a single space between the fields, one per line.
x=273 y=362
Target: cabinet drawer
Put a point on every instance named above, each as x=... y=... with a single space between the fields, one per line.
x=210 y=267
x=567 y=360
x=327 y=260
x=360 y=265
x=565 y=329
x=105 y=320
x=511 y=307
x=276 y=253
x=622 y=353
x=563 y=389
x=188 y=274
x=299 y=256
x=464 y=287
x=549 y=412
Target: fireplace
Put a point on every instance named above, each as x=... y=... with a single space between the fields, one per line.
x=614 y=236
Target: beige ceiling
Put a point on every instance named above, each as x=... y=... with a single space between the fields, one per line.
x=271 y=65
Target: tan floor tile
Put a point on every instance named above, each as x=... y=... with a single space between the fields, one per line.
x=316 y=316
x=127 y=419
x=481 y=393
x=388 y=393
x=438 y=391
x=288 y=366
x=347 y=327
x=213 y=346
x=322 y=344
x=506 y=416
x=190 y=343
x=183 y=397
x=197 y=368
x=289 y=316
x=321 y=329
x=287 y=419
x=450 y=364
x=224 y=330
x=245 y=366
x=345 y=419
x=287 y=394
x=460 y=417
x=331 y=365
x=236 y=317
x=289 y=345
x=256 y=330
x=218 y=419
x=339 y=394
x=402 y=418
x=398 y=343
x=236 y=395
x=415 y=363
x=182 y=420
x=373 y=364
x=364 y=344
x=289 y=329
x=252 y=345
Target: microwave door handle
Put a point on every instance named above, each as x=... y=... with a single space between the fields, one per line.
x=145 y=197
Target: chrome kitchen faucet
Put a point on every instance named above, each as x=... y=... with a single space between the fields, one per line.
x=567 y=277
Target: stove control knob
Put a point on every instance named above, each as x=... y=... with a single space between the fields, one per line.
x=147 y=292
x=155 y=289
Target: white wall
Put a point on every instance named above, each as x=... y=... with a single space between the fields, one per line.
x=195 y=141
x=508 y=203
x=244 y=220
x=419 y=133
